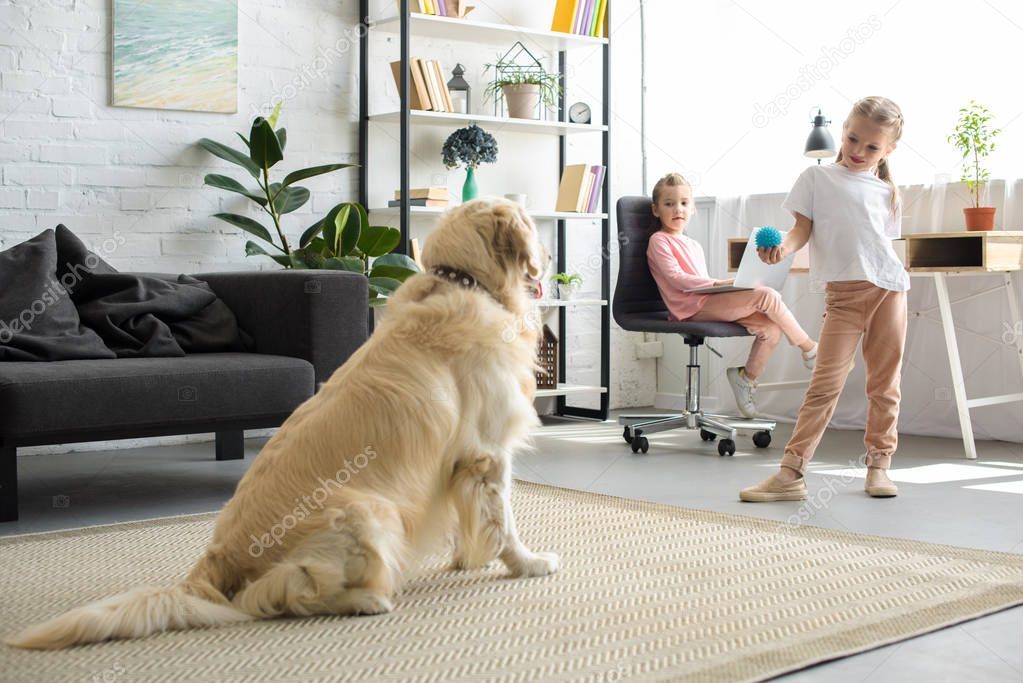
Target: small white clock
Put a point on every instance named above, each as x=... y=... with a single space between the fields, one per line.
x=579 y=113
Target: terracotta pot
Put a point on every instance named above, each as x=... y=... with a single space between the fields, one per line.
x=522 y=100
x=982 y=218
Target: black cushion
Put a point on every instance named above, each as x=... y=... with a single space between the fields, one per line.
x=76 y=397
x=38 y=321
x=637 y=304
x=140 y=315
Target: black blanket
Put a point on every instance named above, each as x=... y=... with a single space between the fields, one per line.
x=143 y=315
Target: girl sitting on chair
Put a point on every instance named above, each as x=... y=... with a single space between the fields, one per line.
x=677 y=263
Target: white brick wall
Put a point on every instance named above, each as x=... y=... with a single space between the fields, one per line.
x=67 y=156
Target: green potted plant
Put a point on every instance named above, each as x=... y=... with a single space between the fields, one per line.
x=470 y=146
x=341 y=240
x=524 y=90
x=975 y=140
x=568 y=284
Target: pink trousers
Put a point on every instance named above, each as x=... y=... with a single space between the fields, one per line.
x=762 y=312
x=855 y=309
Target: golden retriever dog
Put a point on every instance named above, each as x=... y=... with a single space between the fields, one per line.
x=406 y=448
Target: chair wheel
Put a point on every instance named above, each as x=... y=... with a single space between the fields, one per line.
x=726 y=447
x=640 y=443
x=707 y=436
x=762 y=439
x=627 y=434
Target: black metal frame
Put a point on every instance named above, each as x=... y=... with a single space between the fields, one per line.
x=605 y=244
x=405 y=123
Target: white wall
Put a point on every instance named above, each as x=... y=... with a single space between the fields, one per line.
x=68 y=156
x=732 y=84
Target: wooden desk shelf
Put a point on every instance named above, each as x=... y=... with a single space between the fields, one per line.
x=952 y=252
x=737 y=247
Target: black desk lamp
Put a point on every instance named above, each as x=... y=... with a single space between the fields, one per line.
x=819 y=145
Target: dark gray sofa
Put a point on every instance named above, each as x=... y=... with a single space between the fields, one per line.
x=304 y=324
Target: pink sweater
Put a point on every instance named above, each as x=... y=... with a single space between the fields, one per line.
x=677 y=263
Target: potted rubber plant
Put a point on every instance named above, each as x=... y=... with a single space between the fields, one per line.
x=974 y=138
x=469 y=146
x=343 y=239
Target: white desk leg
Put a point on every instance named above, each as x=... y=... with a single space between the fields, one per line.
x=1017 y=322
x=958 y=383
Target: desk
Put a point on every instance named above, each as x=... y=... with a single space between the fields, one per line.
x=940 y=255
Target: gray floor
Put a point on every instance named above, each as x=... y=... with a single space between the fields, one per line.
x=939 y=505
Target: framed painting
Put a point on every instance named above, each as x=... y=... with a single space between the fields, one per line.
x=175 y=54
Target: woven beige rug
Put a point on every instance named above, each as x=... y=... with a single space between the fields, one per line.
x=647 y=592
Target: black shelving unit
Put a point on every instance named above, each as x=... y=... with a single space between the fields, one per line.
x=404 y=22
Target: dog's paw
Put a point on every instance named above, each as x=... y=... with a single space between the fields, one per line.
x=539 y=564
x=367 y=603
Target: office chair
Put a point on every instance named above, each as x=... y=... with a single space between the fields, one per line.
x=638 y=307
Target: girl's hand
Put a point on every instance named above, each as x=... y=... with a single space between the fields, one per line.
x=722 y=283
x=772 y=255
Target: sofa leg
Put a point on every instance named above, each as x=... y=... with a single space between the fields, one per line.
x=231 y=445
x=8 y=484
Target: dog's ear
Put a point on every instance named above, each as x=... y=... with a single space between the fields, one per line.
x=514 y=237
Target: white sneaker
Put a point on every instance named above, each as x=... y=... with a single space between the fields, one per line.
x=810 y=358
x=744 y=389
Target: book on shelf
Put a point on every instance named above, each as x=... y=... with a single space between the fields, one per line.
x=425 y=193
x=418 y=97
x=596 y=188
x=442 y=86
x=432 y=86
x=601 y=29
x=564 y=16
x=580 y=189
x=581 y=17
x=419 y=202
x=574 y=185
x=440 y=8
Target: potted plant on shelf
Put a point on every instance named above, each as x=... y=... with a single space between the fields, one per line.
x=469 y=146
x=341 y=240
x=523 y=92
x=568 y=284
x=975 y=140
x=521 y=79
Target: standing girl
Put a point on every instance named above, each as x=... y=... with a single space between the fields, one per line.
x=677 y=263
x=849 y=212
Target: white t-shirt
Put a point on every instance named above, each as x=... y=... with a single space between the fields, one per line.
x=853 y=227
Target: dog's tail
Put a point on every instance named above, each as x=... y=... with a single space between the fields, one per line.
x=134 y=614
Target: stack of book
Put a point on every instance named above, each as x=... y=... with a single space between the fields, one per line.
x=427 y=88
x=583 y=17
x=580 y=189
x=439 y=8
x=423 y=196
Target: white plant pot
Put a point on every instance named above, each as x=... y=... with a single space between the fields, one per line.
x=566 y=292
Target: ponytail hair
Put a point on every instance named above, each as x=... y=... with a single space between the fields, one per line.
x=885 y=113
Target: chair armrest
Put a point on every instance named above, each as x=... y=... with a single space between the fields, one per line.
x=317 y=315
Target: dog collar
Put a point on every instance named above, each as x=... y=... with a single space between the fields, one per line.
x=456 y=276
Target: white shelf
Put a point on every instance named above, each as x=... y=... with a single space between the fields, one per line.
x=501 y=123
x=483 y=32
x=558 y=303
x=566 y=389
x=536 y=215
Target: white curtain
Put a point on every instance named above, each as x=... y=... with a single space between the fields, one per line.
x=991 y=362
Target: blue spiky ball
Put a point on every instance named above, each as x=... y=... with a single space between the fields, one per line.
x=768 y=237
